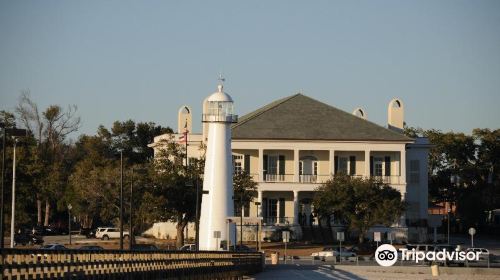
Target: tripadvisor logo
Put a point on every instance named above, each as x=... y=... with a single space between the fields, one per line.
x=387 y=255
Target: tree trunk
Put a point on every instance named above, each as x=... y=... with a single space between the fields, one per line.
x=361 y=237
x=47 y=213
x=39 y=211
x=180 y=235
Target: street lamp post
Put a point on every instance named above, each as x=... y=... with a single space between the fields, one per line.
x=1 y=191
x=15 y=132
x=197 y=222
x=121 y=200
x=69 y=222
x=131 y=230
x=13 y=204
x=448 y=219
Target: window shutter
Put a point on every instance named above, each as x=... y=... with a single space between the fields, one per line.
x=265 y=165
x=281 y=159
x=264 y=208
x=336 y=164
x=247 y=164
x=371 y=165
x=387 y=166
x=352 y=165
x=282 y=207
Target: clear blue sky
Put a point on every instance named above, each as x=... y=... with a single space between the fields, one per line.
x=142 y=60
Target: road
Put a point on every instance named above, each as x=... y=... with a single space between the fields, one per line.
x=342 y=272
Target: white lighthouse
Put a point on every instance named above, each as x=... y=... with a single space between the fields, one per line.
x=217 y=201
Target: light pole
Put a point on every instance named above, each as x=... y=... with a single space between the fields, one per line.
x=14 y=132
x=69 y=222
x=13 y=204
x=131 y=230
x=1 y=191
x=197 y=222
x=121 y=200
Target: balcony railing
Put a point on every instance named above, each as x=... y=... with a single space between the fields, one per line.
x=317 y=179
x=389 y=179
x=277 y=220
x=308 y=178
x=278 y=178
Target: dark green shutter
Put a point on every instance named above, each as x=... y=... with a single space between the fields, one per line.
x=371 y=166
x=265 y=166
x=247 y=164
x=282 y=207
x=352 y=165
x=264 y=208
x=282 y=165
x=387 y=166
x=336 y=164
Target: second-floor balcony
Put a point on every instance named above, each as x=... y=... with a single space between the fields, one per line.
x=317 y=179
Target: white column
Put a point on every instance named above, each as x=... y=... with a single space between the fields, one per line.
x=295 y=207
x=402 y=166
x=296 y=165
x=278 y=202
x=332 y=162
x=261 y=165
x=367 y=163
x=259 y=207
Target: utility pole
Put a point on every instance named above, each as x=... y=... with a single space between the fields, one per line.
x=69 y=222
x=131 y=230
x=197 y=224
x=13 y=204
x=121 y=200
x=2 y=204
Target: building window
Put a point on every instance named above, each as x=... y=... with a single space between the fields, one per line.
x=378 y=166
x=272 y=164
x=272 y=210
x=414 y=171
x=352 y=165
x=238 y=163
x=342 y=165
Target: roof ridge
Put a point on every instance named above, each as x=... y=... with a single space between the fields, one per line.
x=262 y=110
x=366 y=120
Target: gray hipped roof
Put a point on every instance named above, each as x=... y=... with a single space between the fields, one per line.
x=299 y=117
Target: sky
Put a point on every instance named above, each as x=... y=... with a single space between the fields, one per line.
x=142 y=60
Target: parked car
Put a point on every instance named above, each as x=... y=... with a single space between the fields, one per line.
x=88 y=232
x=188 y=247
x=106 y=233
x=334 y=251
x=242 y=248
x=448 y=248
x=421 y=247
x=485 y=253
x=53 y=246
x=366 y=249
x=91 y=248
x=145 y=247
x=27 y=239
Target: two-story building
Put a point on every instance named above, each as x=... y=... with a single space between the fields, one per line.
x=294 y=144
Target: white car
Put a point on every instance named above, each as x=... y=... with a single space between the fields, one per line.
x=334 y=251
x=485 y=253
x=106 y=233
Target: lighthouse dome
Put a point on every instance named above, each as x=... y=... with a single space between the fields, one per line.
x=219 y=108
x=220 y=96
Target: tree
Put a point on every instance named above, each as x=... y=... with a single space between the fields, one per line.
x=245 y=189
x=50 y=128
x=360 y=203
x=175 y=182
x=472 y=162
